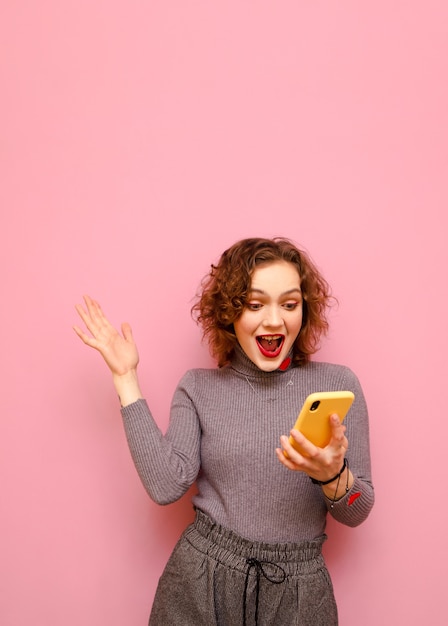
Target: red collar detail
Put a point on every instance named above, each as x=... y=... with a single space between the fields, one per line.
x=286 y=363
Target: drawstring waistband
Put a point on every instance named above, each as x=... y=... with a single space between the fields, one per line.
x=259 y=565
x=275 y=562
x=228 y=547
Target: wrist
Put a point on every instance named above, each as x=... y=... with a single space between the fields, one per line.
x=127 y=387
x=335 y=488
x=331 y=480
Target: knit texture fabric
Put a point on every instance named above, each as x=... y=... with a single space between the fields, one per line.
x=214 y=577
x=224 y=427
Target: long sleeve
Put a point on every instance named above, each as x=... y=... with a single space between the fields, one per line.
x=354 y=507
x=167 y=464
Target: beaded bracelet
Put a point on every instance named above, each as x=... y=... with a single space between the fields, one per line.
x=327 y=482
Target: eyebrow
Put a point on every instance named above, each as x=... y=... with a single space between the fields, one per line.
x=285 y=293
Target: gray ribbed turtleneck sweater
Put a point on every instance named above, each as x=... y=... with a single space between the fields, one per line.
x=224 y=427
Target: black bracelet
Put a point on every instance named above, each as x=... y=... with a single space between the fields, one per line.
x=327 y=482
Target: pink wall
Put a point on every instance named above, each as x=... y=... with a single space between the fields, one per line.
x=138 y=140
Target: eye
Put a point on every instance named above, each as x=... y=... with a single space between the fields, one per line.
x=291 y=306
x=254 y=306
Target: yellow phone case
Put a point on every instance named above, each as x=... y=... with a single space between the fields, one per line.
x=314 y=417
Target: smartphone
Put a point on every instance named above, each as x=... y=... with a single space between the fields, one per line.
x=314 y=418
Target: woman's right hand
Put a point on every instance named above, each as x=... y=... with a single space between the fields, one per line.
x=119 y=351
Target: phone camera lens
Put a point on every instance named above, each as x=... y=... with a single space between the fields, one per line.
x=315 y=405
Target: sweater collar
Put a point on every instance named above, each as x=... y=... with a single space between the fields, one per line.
x=243 y=365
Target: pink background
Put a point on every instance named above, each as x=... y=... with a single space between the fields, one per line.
x=138 y=140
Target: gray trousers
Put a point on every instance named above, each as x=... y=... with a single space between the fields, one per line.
x=214 y=577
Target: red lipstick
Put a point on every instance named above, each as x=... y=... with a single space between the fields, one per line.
x=270 y=346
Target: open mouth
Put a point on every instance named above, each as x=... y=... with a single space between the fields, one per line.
x=270 y=345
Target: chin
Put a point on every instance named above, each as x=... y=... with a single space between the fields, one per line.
x=269 y=366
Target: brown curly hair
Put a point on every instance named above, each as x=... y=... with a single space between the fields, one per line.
x=225 y=290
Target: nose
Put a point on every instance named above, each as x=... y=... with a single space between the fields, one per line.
x=273 y=317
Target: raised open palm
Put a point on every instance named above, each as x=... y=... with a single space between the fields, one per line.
x=119 y=351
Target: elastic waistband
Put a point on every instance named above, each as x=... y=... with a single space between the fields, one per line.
x=231 y=549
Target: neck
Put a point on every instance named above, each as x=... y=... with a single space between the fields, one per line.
x=242 y=364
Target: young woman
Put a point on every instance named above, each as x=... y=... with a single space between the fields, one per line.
x=253 y=554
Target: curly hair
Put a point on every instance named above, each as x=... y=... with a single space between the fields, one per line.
x=226 y=287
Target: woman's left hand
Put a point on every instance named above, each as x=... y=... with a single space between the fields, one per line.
x=319 y=463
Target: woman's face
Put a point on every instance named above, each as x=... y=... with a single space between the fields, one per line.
x=272 y=317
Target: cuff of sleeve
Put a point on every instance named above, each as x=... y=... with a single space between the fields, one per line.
x=354 y=507
x=135 y=409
